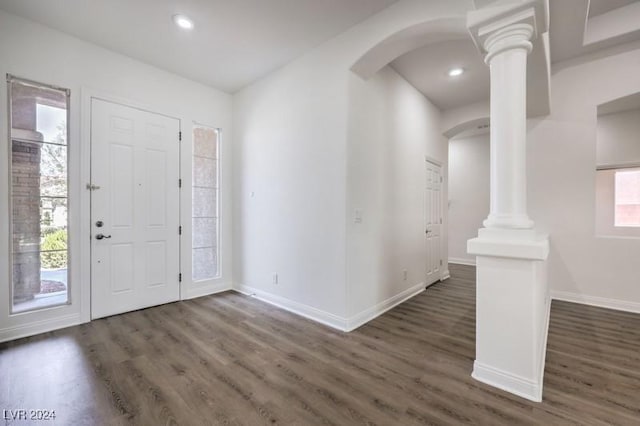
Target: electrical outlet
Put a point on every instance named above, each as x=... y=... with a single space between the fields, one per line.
x=405 y=275
x=274 y=279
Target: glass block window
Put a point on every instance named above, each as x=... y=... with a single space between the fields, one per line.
x=205 y=207
x=38 y=117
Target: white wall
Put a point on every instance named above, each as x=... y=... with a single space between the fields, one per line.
x=561 y=173
x=36 y=52
x=392 y=128
x=618 y=138
x=468 y=193
x=292 y=135
x=290 y=185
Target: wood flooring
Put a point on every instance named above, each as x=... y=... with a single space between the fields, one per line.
x=231 y=359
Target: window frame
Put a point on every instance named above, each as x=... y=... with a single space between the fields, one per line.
x=10 y=79
x=218 y=206
x=605 y=202
x=635 y=170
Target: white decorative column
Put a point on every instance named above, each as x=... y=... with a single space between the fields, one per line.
x=507 y=50
x=512 y=305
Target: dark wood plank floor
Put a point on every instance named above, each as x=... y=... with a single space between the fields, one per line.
x=230 y=359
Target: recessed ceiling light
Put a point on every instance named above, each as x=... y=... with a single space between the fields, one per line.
x=183 y=22
x=455 y=72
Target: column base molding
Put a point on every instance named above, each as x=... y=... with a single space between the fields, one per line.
x=510 y=243
x=512 y=310
x=508 y=382
x=509 y=222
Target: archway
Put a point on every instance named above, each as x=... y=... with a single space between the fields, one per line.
x=408 y=39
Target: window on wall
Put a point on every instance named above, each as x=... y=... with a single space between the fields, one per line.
x=206 y=189
x=618 y=202
x=618 y=168
x=627 y=198
x=38 y=118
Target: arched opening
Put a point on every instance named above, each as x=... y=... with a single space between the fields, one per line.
x=408 y=39
x=404 y=106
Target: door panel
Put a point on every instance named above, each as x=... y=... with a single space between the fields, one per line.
x=156 y=255
x=122 y=261
x=135 y=164
x=433 y=221
x=156 y=184
x=121 y=185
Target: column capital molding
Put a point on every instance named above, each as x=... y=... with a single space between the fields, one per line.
x=508 y=21
x=515 y=36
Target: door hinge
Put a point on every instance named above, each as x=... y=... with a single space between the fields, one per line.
x=179 y=136
x=180 y=277
x=440 y=221
x=180 y=230
x=179 y=183
x=441 y=179
x=440 y=262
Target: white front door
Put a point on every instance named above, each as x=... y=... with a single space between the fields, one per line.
x=433 y=221
x=135 y=214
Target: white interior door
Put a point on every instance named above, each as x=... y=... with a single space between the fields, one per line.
x=433 y=221
x=135 y=214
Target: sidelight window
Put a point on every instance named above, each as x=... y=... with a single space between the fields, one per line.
x=38 y=117
x=205 y=208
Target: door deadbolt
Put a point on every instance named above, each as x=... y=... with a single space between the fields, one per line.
x=99 y=224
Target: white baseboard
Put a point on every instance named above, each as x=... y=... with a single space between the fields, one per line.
x=327 y=318
x=517 y=385
x=508 y=382
x=460 y=261
x=38 y=327
x=446 y=274
x=199 y=291
x=375 y=311
x=309 y=312
x=600 y=302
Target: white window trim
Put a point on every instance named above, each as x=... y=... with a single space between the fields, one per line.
x=605 y=204
x=219 y=283
x=22 y=324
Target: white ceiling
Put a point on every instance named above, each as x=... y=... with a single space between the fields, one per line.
x=598 y=7
x=627 y=103
x=427 y=70
x=235 y=42
x=567 y=29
